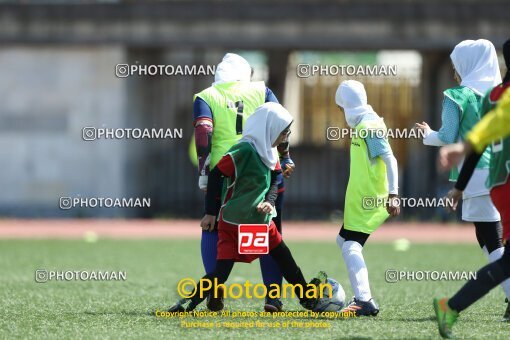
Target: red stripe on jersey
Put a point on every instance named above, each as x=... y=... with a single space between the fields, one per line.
x=498 y=91
x=226 y=166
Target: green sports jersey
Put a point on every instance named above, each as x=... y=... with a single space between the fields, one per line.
x=249 y=187
x=500 y=150
x=367 y=185
x=469 y=105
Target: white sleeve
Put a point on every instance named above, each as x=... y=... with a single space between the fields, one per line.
x=431 y=138
x=391 y=171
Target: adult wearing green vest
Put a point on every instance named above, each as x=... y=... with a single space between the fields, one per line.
x=220 y=113
x=372 y=191
x=476 y=69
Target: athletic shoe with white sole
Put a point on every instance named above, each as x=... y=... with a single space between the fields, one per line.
x=362 y=308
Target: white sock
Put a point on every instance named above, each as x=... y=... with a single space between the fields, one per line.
x=340 y=241
x=495 y=255
x=358 y=273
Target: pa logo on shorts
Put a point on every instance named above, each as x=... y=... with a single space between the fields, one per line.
x=253 y=239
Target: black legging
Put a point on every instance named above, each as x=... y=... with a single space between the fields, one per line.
x=486 y=278
x=489 y=234
x=356 y=236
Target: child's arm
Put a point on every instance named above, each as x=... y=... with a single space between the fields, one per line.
x=272 y=193
x=393 y=204
x=379 y=147
x=286 y=162
x=391 y=171
x=267 y=206
x=449 y=131
x=213 y=191
x=467 y=170
x=203 y=123
x=224 y=168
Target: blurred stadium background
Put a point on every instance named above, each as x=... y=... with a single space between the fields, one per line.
x=57 y=67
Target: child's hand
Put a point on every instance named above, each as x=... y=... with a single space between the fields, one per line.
x=423 y=126
x=264 y=208
x=455 y=196
x=288 y=166
x=452 y=154
x=289 y=170
x=207 y=222
x=393 y=205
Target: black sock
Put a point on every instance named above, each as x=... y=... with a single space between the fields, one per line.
x=290 y=270
x=221 y=273
x=486 y=278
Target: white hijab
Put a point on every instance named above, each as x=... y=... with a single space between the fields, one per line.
x=352 y=97
x=262 y=129
x=476 y=62
x=233 y=67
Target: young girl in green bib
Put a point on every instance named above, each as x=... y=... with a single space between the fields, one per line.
x=372 y=191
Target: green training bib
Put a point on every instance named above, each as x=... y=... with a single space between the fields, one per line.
x=367 y=185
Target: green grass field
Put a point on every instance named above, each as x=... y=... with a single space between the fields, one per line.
x=119 y=309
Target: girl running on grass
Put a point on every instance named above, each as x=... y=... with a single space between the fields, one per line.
x=251 y=169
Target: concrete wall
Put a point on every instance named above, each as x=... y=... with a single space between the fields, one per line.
x=48 y=94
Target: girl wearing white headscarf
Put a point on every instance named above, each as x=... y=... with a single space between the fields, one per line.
x=477 y=71
x=250 y=168
x=373 y=179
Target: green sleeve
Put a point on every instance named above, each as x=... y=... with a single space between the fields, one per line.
x=486 y=104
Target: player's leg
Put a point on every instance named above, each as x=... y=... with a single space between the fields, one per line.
x=209 y=251
x=291 y=271
x=491 y=234
x=481 y=211
x=351 y=244
x=209 y=246
x=479 y=239
x=486 y=278
x=271 y=273
x=499 y=196
x=221 y=273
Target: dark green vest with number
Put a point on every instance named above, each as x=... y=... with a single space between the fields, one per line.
x=231 y=104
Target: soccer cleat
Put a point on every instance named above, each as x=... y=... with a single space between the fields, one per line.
x=178 y=306
x=320 y=278
x=215 y=304
x=273 y=305
x=506 y=316
x=446 y=317
x=362 y=308
x=183 y=305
